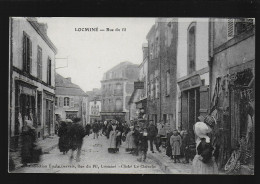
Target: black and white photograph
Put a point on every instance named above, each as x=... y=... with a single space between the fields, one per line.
x=131 y=95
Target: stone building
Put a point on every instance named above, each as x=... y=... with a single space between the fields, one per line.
x=117 y=88
x=94 y=105
x=138 y=100
x=70 y=100
x=161 y=87
x=192 y=72
x=232 y=87
x=32 y=78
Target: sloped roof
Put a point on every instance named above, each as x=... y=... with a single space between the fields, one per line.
x=65 y=87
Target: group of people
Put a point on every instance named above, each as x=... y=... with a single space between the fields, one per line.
x=71 y=135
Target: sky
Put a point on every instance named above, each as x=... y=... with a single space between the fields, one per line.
x=91 y=54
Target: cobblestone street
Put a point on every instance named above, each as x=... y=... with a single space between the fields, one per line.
x=94 y=159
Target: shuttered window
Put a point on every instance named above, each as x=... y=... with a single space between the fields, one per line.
x=39 y=62
x=204 y=100
x=230 y=28
x=71 y=102
x=27 y=53
x=61 y=102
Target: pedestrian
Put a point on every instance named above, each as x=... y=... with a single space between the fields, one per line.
x=119 y=128
x=168 y=145
x=29 y=153
x=87 y=129
x=176 y=142
x=185 y=146
x=152 y=132
x=112 y=139
x=95 y=128
x=204 y=161
x=64 y=138
x=136 y=136
x=143 y=144
x=76 y=134
x=130 y=143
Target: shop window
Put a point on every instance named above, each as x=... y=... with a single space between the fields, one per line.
x=66 y=101
x=39 y=62
x=27 y=53
x=191 y=48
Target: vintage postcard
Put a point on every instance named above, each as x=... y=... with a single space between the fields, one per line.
x=158 y=95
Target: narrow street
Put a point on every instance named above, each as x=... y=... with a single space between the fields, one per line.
x=94 y=159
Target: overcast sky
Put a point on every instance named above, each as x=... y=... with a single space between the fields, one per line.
x=93 y=53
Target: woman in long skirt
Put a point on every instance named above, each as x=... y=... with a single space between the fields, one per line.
x=203 y=162
x=64 y=138
x=112 y=140
x=130 y=140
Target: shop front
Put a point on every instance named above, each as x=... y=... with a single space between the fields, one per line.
x=119 y=116
x=193 y=103
x=48 y=106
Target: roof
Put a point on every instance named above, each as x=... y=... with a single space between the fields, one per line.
x=150 y=32
x=65 y=87
x=44 y=36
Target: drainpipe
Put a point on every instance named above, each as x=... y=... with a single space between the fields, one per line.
x=10 y=77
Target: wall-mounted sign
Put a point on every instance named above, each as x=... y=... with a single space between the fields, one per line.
x=139 y=85
x=189 y=83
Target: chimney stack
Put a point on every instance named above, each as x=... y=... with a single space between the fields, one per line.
x=43 y=27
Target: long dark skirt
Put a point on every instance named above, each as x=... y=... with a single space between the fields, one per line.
x=63 y=144
x=169 y=151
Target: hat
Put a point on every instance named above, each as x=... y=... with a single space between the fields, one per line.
x=68 y=120
x=201 y=129
x=29 y=124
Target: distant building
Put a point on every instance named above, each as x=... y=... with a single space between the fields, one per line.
x=32 y=78
x=94 y=105
x=161 y=87
x=70 y=100
x=138 y=100
x=117 y=87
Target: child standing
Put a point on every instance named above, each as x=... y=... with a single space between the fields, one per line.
x=176 y=142
x=143 y=143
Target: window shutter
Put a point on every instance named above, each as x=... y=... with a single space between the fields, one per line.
x=30 y=57
x=24 y=52
x=71 y=102
x=230 y=28
x=61 y=102
x=204 y=100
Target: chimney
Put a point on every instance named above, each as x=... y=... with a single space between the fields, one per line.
x=145 y=50
x=43 y=27
x=69 y=79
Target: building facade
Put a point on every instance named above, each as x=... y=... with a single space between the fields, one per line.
x=192 y=72
x=161 y=84
x=94 y=105
x=117 y=88
x=32 y=79
x=70 y=100
x=232 y=90
x=138 y=100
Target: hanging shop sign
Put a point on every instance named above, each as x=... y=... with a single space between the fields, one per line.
x=192 y=82
x=138 y=85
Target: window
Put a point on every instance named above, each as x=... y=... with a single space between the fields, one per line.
x=66 y=101
x=27 y=53
x=60 y=99
x=119 y=105
x=56 y=101
x=157 y=47
x=238 y=26
x=49 y=71
x=39 y=62
x=191 y=48
x=71 y=102
x=167 y=83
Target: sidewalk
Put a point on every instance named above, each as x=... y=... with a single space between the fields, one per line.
x=167 y=165
x=46 y=144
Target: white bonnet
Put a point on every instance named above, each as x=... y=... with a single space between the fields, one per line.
x=201 y=129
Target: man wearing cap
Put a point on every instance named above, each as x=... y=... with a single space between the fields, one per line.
x=152 y=132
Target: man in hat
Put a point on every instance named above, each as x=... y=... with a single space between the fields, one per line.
x=152 y=132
